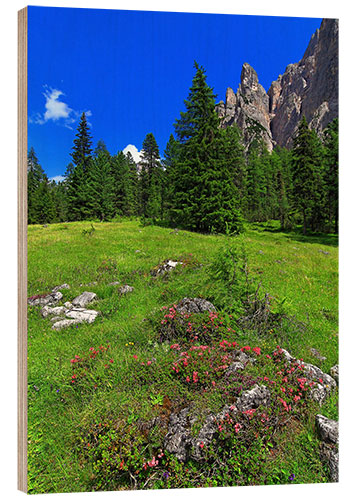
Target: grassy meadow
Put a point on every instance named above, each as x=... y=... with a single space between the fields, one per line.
x=88 y=419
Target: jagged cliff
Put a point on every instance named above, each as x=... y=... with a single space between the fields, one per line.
x=309 y=87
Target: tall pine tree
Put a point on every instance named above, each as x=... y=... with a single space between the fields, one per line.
x=205 y=196
x=150 y=178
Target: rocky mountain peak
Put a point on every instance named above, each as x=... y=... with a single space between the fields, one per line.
x=308 y=87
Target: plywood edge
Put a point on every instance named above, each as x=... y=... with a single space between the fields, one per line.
x=22 y=250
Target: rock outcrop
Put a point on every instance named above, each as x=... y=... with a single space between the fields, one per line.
x=248 y=108
x=308 y=87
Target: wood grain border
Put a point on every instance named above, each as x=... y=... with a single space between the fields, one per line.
x=22 y=251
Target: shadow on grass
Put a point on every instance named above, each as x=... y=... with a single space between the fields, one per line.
x=329 y=239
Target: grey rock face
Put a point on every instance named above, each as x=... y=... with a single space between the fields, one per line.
x=328 y=431
x=195 y=305
x=327 y=428
x=334 y=372
x=84 y=299
x=324 y=383
x=309 y=87
x=248 y=108
x=179 y=439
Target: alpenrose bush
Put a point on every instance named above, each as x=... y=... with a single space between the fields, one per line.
x=92 y=370
x=122 y=455
x=205 y=327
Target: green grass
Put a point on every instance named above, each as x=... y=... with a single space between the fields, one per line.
x=299 y=272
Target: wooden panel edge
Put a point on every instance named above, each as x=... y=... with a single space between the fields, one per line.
x=22 y=251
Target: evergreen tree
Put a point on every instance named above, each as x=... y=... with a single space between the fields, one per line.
x=150 y=178
x=170 y=161
x=205 y=196
x=76 y=194
x=331 y=173
x=99 y=188
x=35 y=175
x=125 y=185
x=101 y=148
x=44 y=206
x=81 y=151
x=307 y=177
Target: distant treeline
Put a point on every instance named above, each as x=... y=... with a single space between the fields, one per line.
x=207 y=180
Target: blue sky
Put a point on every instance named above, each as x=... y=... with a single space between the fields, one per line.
x=130 y=71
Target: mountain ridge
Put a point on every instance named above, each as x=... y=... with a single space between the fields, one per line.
x=308 y=87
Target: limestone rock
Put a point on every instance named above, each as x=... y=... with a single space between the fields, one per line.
x=84 y=299
x=334 y=372
x=44 y=300
x=164 y=268
x=64 y=323
x=61 y=287
x=125 y=289
x=317 y=354
x=324 y=383
x=195 y=305
x=178 y=437
x=248 y=108
x=327 y=428
x=82 y=315
x=49 y=311
x=308 y=87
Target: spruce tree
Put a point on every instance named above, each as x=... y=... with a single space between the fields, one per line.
x=150 y=179
x=35 y=175
x=331 y=173
x=307 y=177
x=205 y=194
x=99 y=188
x=81 y=151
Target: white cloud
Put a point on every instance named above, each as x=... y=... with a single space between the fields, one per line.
x=136 y=154
x=57 y=178
x=57 y=110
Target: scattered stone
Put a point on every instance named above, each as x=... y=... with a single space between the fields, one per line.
x=261 y=252
x=334 y=372
x=44 y=300
x=164 y=268
x=84 y=299
x=56 y=318
x=327 y=429
x=48 y=311
x=68 y=305
x=82 y=315
x=195 y=305
x=137 y=251
x=125 y=289
x=92 y=283
x=324 y=252
x=317 y=354
x=114 y=283
x=64 y=323
x=65 y=286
